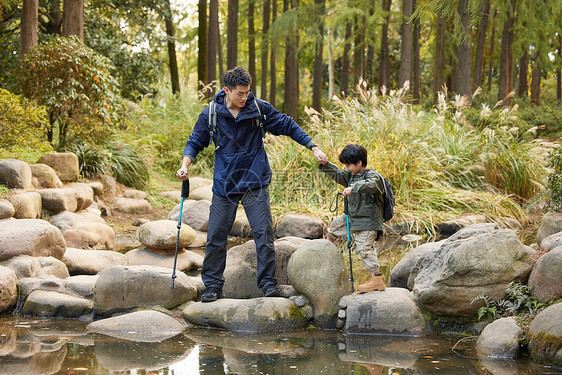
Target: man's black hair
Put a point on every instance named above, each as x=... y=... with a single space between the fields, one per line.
x=236 y=77
x=352 y=154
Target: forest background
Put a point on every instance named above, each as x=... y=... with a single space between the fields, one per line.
x=457 y=101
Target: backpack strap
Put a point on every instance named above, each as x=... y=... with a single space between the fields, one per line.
x=260 y=119
x=366 y=176
x=213 y=123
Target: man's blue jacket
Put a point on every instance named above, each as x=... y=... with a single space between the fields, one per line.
x=241 y=163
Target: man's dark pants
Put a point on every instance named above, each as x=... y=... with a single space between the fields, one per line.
x=222 y=216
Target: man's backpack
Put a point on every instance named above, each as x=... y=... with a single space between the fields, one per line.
x=213 y=129
x=387 y=198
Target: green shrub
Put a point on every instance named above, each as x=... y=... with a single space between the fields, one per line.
x=75 y=84
x=554 y=181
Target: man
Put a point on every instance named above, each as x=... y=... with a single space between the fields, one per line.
x=241 y=174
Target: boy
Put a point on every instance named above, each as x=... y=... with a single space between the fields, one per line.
x=365 y=215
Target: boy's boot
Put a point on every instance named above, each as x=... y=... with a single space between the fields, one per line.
x=375 y=283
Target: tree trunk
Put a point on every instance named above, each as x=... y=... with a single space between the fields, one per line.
x=73 y=18
x=171 y=42
x=29 y=17
x=523 y=87
x=202 y=44
x=405 y=70
x=219 y=51
x=492 y=48
x=273 y=62
x=359 y=51
x=330 y=48
x=481 y=46
x=51 y=20
x=465 y=52
x=212 y=43
x=416 y=73
x=559 y=70
x=440 y=61
x=536 y=80
x=264 y=48
x=252 y=44
x=504 y=84
x=384 y=68
x=318 y=54
x=345 y=61
x=291 y=93
x=232 y=34
x=370 y=42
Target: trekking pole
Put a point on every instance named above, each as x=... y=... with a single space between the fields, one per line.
x=346 y=212
x=184 y=194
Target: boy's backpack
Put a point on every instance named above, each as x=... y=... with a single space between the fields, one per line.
x=387 y=198
x=213 y=129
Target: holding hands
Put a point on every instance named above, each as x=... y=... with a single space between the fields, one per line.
x=320 y=155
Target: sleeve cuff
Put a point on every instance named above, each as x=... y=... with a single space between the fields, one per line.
x=310 y=144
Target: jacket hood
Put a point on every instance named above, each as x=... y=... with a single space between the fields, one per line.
x=248 y=111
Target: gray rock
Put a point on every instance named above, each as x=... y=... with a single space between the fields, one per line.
x=84 y=195
x=545 y=277
x=97 y=187
x=551 y=224
x=27 y=205
x=134 y=194
x=109 y=188
x=65 y=165
x=38 y=267
x=195 y=214
x=81 y=285
x=317 y=270
x=552 y=241
x=8 y=290
x=132 y=206
x=66 y=220
x=43 y=176
x=473 y=230
x=200 y=240
x=305 y=226
x=91 y=262
x=241 y=226
x=203 y=192
x=57 y=200
x=15 y=174
x=186 y=260
x=142 y=326
x=163 y=235
x=7 y=209
x=462 y=269
x=392 y=311
x=49 y=304
x=174 y=195
x=90 y=235
x=401 y=271
x=500 y=339
x=275 y=314
x=124 y=288
x=32 y=237
x=545 y=336
x=450 y=227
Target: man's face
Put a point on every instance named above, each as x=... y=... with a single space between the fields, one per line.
x=237 y=96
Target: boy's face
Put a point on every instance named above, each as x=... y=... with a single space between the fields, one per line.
x=355 y=168
x=237 y=96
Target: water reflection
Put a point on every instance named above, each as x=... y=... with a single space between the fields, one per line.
x=66 y=347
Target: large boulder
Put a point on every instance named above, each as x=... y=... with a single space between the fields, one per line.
x=203 y=192
x=43 y=176
x=545 y=277
x=317 y=270
x=500 y=339
x=132 y=206
x=27 y=205
x=194 y=213
x=124 y=288
x=134 y=194
x=551 y=224
x=65 y=164
x=8 y=289
x=66 y=220
x=241 y=226
x=84 y=195
x=463 y=268
x=57 y=200
x=162 y=235
x=81 y=286
x=7 y=209
x=143 y=326
x=90 y=235
x=240 y=274
x=392 y=311
x=185 y=261
x=32 y=237
x=552 y=241
x=401 y=271
x=304 y=226
x=449 y=227
x=37 y=267
x=15 y=174
x=50 y=304
x=254 y=315
x=545 y=336
x=91 y=262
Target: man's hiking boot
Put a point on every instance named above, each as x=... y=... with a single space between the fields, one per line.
x=375 y=283
x=272 y=291
x=211 y=294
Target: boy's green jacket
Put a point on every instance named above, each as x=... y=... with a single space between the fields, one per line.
x=364 y=184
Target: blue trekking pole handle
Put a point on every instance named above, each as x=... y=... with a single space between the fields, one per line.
x=184 y=194
x=346 y=212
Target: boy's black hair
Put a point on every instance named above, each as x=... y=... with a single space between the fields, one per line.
x=352 y=154
x=236 y=77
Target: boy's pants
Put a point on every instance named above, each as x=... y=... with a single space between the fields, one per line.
x=364 y=242
x=222 y=216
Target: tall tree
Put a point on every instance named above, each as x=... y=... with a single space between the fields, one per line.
x=232 y=34
x=416 y=72
x=405 y=70
x=264 y=49
x=359 y=50
x=73 y=18
x=559 y=70
x=492 y=50
x=384 y=67
x=464 y=79
x=29 y=17
x=523 y=87
x=202 y=43
x=345 y=60
x=318 y=56
x=212 y=42
x=536 y=79
x=504 y=84
x=252 y=44
x=481 y=46
x=440 y=60
x=273 y=62
x=171 y=43
x=291 y=93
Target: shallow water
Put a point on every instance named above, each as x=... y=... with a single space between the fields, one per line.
x=29 y=346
